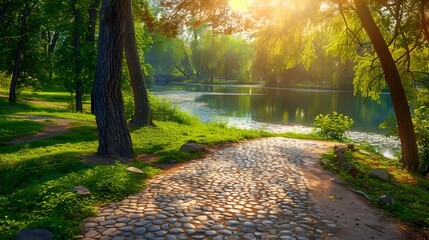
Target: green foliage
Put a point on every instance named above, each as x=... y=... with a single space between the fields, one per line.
x=333 y=126
x=421 y=128
x=4 y=80
x=410 y=192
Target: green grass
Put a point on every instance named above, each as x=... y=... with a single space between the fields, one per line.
x=12 y=128
x=166 y=139
x=411 y=192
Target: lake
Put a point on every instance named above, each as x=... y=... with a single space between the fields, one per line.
x=292 y=106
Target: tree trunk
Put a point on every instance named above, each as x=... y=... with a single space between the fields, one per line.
x=113 y=135
x=18 y=55
x=90 y=37
x=76 y=49
x=142 y=115
x=51 y=49
x=92 y=18
x=407 y=135
x=16 y=70
x=53 y=43
x=79 y=96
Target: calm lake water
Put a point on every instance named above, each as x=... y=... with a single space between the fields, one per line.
x=293 y=106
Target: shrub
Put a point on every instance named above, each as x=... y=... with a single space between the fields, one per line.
x=333 y=126
x=161 y=109
x=421 y=128
x=164 y=110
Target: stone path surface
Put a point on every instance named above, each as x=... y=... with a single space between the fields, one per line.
x=253 y=190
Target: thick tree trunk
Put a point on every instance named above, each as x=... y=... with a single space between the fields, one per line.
x=113 y=134
x=142 y=115
x=16 y=70
x=407 y=135
x=77 y=64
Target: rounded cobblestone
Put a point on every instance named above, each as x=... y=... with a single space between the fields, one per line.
x=253 y=190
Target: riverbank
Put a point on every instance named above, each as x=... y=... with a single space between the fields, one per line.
x=187 y=101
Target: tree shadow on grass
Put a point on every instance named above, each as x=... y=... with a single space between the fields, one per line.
x=75 y=135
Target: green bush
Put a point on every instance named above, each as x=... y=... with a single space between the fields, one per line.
x=4 y=81
x=161 y=109
x=421 y=128
x=164 y=110
x=333 y=126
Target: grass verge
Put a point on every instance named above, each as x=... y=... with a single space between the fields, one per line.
x=410 y=192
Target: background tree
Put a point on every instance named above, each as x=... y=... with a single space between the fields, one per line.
x=76 y=53
x=142 y=116
x=20 y=25
x=405 y=124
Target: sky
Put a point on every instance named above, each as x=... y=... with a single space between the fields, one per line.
x=238 y=5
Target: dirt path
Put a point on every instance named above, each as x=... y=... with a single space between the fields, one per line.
x=356 y=217
x=54 y=126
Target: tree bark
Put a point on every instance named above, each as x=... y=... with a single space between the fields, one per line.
x=142 y=116
x=16 y=70
x=406 y=132
x=113 y=134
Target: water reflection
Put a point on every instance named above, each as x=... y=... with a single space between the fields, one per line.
x=294 y=106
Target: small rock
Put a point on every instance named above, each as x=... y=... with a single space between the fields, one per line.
x=210 y=233
x=135 y=170
x=386 y=200
x=380 y=173
x=232 y=223
x=172 y=161
x=34 y=234
x=81 y=191
x=192 y=148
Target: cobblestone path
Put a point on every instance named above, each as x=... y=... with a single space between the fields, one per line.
x=254 y=190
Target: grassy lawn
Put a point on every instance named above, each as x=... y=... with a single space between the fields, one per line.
x=410 y=192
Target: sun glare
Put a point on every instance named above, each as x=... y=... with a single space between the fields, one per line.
x=238 y=5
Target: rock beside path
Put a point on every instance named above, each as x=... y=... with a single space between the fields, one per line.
x=34 y=234
x=192 y=148
x=135 y=170
x=81 y=191
x=380 y=173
